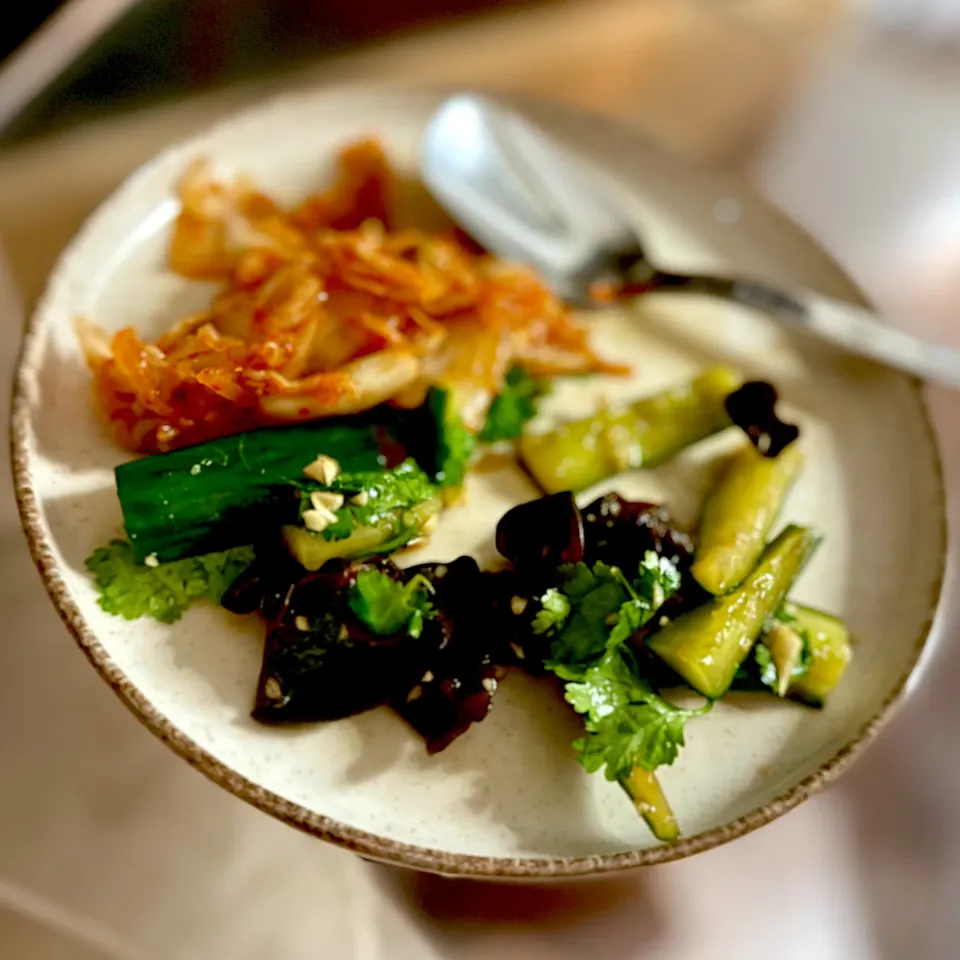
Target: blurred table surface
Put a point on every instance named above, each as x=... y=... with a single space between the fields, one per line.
x=117 y=849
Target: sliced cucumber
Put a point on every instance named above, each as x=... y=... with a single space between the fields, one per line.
x=708 y=644
x=392 y=531
x=226 y=492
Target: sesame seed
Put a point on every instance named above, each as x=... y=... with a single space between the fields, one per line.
x=518 y=651
x=344 y=632
x=360 y=499
x=302 y=623
x=152 y=560
x=272 y=689
x=415 y=693
x=518 y=605
x=427 y=677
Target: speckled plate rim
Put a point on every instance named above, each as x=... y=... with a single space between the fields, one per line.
x=362 y=842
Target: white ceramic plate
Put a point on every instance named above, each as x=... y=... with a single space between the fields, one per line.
x=507 y=799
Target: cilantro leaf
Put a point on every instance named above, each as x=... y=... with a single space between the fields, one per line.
x=513 y=406
x=604 y=689
x=579 y=579
x=381 y=494
x=387 y=606
x=639 y=735
x=595 y=596
x=766 y=668
x=606 y=609
x=555 y=608
x=658 y=580
x=630 y=618
x=627 y=723
x=131 y=590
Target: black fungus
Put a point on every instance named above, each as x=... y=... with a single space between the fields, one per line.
x=753 y=409
x=542 y=534
x=514 y=599
x=320 y=661
x=454 y=684
x=620 y=532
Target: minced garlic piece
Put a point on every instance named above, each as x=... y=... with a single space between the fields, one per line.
x=324 y=470
x=326 y=500
x=318 y=520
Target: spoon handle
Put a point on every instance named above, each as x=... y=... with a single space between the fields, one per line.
x=852 y=328
x=748 y=293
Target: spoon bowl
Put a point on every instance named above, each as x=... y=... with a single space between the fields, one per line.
x=527 y=197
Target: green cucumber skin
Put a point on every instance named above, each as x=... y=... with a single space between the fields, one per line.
x=830 y=648
x=436 y=437
x=223 y=493
x=577 y=454
x=311 y=551
x=706 y=645
x=739 y=514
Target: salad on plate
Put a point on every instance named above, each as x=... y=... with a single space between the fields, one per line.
x=305 y=433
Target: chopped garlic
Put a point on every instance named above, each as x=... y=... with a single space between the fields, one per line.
x=786 y=649
x=324 y=469
x=325 y=500
x=318 y=520
x=152 y=560
x=361 y=499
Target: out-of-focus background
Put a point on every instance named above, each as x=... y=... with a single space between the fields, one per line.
x=842 y=111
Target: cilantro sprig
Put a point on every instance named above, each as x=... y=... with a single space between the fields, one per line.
x=388 y=606
x=628 y=724
x=554 y=610
x=164 y=591
x=513 y=406
x=599 y=609
x=590 y=617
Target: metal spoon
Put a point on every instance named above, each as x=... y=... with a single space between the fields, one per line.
x=522 y=196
